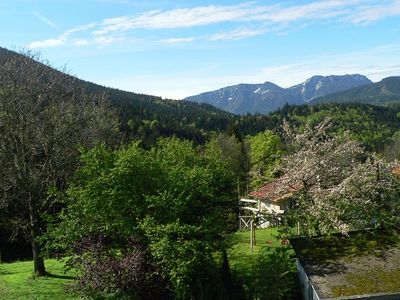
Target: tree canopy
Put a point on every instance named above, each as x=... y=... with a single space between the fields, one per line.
x=175 y=199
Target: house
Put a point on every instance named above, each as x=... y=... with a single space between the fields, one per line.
x=267 y=203
x=396 y=170
x=275 y=196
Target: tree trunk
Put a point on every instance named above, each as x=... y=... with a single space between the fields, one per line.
x=38 y=262
x=1 y=247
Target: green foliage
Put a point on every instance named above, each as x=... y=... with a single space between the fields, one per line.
x=392 y=149
x=369 y=124
x=233 y=150
x=173 y=198
x=274 y=274
x=44 y=115
x=266 y=149
x=146 y=118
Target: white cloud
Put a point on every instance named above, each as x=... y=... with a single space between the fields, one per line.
x=64 y=38
x=374 y=12
x=178 y=40
x=81 y=42
x=45 y=20
x=104 y=41
x=236 y=34
x=277 y=18
x=179 y=18
x=47 y=43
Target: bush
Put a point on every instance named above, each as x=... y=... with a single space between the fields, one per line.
x=274 y=274
x=126 y=274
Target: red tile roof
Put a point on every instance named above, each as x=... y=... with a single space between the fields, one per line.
x=396 y=170
x=277 y=190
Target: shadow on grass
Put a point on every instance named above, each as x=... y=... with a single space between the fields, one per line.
x=60 y=276
x=3 y=272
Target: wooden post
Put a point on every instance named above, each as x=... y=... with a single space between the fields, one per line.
x=298 y=228
x=254 y=234
x=251 y=235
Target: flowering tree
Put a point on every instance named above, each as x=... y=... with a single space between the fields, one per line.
x=341 y=187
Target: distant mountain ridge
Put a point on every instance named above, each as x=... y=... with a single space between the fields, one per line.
x=268 y=97
x=384 y=92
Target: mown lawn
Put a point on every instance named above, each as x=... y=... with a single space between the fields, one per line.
x=240 y=255
x=17 y=282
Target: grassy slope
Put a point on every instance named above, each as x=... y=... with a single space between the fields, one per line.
x=245 y=265
x=16 y=281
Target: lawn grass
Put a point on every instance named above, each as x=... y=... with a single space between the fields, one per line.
x=240 y=255
x=17 y=281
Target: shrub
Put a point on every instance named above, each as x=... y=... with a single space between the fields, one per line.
x=125 y=274
x=274 y=274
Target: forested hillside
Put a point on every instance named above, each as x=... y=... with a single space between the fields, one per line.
x=372 y=125
x=147 y=117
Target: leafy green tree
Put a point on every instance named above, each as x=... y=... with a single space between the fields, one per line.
x=235 y=153
x=173 y=198
x=392 y=150
x=266 y=149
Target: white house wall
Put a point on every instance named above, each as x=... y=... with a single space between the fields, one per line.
x=271 y=207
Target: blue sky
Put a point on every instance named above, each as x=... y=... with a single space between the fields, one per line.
x=179 y=48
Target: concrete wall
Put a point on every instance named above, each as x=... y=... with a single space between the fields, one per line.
x=307 y=290
x=272 y=207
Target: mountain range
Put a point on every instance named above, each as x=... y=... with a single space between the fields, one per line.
x=148 y=117
x=384 y=92
x=267 y=97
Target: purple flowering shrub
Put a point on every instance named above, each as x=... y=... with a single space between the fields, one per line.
x=126 y=273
